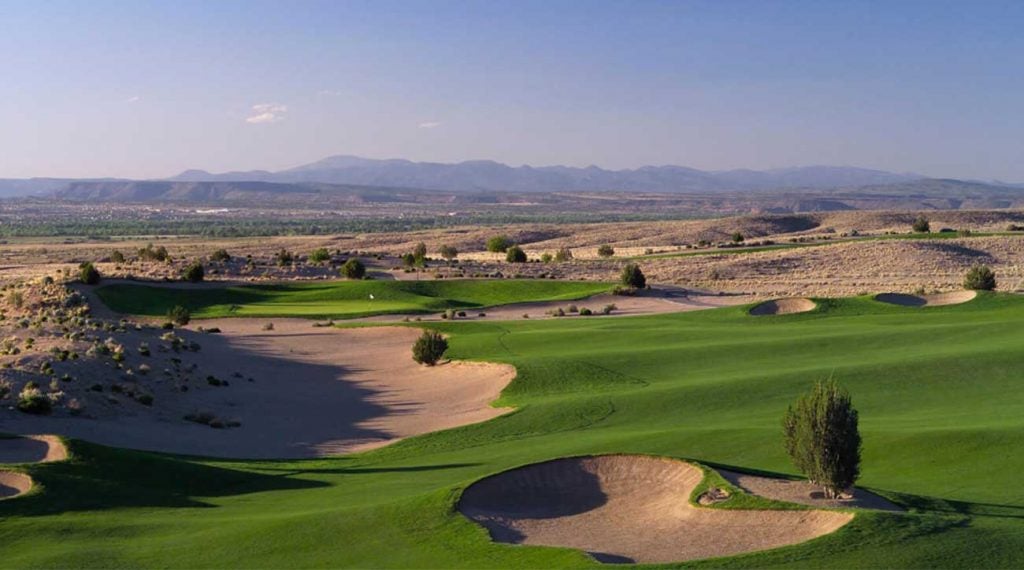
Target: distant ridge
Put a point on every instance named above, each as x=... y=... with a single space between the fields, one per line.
x=490 y=176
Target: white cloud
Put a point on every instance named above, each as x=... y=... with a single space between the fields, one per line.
x=134 y=99
x=429 y=124
x=328 y=92
x=267 y=113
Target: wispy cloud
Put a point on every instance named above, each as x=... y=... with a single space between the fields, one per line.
x=429 y=124
x=133 y=99
x=267 y=113
x=328 y=92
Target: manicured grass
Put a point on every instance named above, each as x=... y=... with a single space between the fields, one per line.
x=342 y=299
x=940 y=392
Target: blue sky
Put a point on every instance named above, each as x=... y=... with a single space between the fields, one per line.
x=146 y=89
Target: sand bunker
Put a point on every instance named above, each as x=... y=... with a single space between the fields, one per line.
x=935 y=300
x=13 y=484
x=628 y=508
x=32 y=449
x=804 y=493
x=316 y=391
x=783 y=307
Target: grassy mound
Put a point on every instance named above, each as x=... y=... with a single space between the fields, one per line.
x=341 y=299
x=938 y=392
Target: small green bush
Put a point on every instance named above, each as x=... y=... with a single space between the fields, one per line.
x=32 y=401
x=499 y=244
x=88 y=274
x=193 y=272
x=320 y=255
x=179 y=315
x=353 y=269
x=585 y=312
x=921 y=225
x=515 y=254
x=448 y=252
x=116 y=256
x=737 y=237
x=632 y=276
x=606 y=251
x=563 y=254
x=546 y=257
x=429 y=348
x=980 y=278
x=220 y=255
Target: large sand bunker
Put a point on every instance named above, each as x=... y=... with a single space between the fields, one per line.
x=935 y=300
x=13 y=484
x=628 y=508
x=316 y=391
x=783 y=307
x=804 y=492
x=32 y=449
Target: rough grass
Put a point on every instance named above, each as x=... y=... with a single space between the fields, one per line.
x=938 y=393
x=341 y=299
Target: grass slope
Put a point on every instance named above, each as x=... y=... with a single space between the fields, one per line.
x=939 y=391
x=341 y=299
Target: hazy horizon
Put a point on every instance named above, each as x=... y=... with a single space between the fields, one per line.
x=148 y=89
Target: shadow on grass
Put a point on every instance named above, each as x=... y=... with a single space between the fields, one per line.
x=100 y=478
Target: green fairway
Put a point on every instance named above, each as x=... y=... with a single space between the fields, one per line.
x=342 y=299
x=940 y=392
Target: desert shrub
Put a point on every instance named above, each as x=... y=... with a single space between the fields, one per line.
x=88 y=273
x=606 y=251
x=515 y=254
x=448 y=252
x=573 y=309
x=149 y=253
x=353 y=269
x=822 y=438
x=144 y=349
x=420 y=252
x=144 y=399
x=546 y=257
x=980 y=277
x=409 y=261
x=16 y=298
x=320 y=255
x=585 y=312
x=632 y=276
x=284 y=257
x=32 y=401
x=608 y=309
x=179 y=315
x=220 y=255
x=737 y=237
x=499 y=244
x=563 y=254
x=193 y=272
x=964 y=232
x=921 y=225
x=429 y=348
x=116 y=256
x=1015 y=228
x=268 y=327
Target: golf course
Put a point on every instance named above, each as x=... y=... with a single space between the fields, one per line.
x=934 y=387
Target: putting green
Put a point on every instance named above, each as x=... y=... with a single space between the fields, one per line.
x=341 y=299
x=939 y=393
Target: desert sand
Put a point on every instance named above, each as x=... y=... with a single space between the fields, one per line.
x=934 y=300
x=315 y=391
x=804 y=493
x=783 y=307
x=628 y=508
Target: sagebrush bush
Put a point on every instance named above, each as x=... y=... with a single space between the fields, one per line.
x=193 y=272
x=980 y=278
x=88 y=273
x=606 y=251
x=319 y=255
x=179 y=315
x=429 y=348
x=220 y=255
x=499 y=244
x=515 y=254
x=921 y=225
x=353 y=269
x=632 y=276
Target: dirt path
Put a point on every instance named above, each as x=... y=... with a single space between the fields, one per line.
x=315 y=391
x=629 y=508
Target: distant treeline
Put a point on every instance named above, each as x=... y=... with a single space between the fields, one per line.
x=241 y=227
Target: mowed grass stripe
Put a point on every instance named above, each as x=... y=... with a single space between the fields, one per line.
x=341 y=299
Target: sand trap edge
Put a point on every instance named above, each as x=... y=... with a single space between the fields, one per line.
x=933 y=300
x=20 y=482
x=787 y=306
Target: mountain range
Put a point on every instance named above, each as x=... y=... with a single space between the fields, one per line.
x=490 y=176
